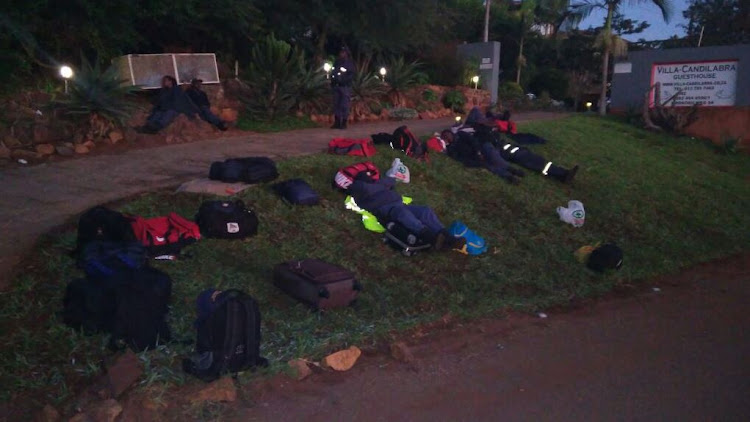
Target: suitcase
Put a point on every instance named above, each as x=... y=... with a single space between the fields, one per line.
x=402 y=240
x=317 y=283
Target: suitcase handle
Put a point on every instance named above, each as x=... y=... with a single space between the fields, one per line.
x=324 y=293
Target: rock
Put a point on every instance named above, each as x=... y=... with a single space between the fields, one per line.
x=115 y=136
x=47 y=414
x=82 y=149
x=45 y=149
x=65 y=151
x=130 y=135
x=300 y=369
x=228 y=115
x=126 y=370
x=41 y=134
x=89 y=144
x=22 y=154
x=11 y=142
x=219 y=390
x=171 y=139
x=401 y=352
x=342 y=360
x=4 y=152
x=105 y=411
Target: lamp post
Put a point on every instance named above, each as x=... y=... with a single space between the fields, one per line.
x=327 y=69
x=66 y=72
x=382 y=73
x=475 y=79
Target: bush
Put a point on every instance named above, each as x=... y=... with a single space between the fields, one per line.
x=313 y=92
x=402 y=76
x=274 y=79
x=454 y=100
x=367 y=91
x=403 y=113
x=429 y=96
x=552 y=80
x=510 y=91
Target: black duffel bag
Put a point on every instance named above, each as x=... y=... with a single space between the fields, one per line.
x=248 y=170
x=226 y=220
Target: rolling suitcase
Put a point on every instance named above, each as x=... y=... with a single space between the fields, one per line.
x=317 y=283
x=402 y=240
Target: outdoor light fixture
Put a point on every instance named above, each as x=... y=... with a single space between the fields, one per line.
x=475 y=79
x=327 y=69
x=66 y=72
x=382 y=73
x=588 y=106
x=458 y=119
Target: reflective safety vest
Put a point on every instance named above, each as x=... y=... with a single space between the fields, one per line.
x=368 y=220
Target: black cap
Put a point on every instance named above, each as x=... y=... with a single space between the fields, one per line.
x=606 y=257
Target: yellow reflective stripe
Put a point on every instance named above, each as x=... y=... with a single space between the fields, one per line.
x=513 y=151
x=546 y=168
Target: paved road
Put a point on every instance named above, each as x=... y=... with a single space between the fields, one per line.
x=38 y=198
x=680 y=354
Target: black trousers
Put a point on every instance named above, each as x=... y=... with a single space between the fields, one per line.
x=535 y=162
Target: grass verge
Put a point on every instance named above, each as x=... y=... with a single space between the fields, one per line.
x=279 y=125
x=668 y=202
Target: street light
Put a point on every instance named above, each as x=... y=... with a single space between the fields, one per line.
x=382 y=73
x=327 y=69
x=66 y=72
x=475 y=79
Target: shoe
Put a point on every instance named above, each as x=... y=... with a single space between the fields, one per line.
x=342 y=124
x=427 y=236
x=222 y=126
x=336 y=124
x=571 y=174
x=516 y=172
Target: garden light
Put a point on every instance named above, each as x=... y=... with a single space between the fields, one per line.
x=327 y=69
x=475 y=79
x=458 y=119
x=66 y=72
x=382 y=72
x=588 y=106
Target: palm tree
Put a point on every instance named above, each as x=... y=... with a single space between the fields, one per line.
x=606 y=40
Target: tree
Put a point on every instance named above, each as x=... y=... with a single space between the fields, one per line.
x=722 y=22
x=608 y=41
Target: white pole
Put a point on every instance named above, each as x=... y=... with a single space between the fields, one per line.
x=236 y=69
x=487 y=20
x=700 y=39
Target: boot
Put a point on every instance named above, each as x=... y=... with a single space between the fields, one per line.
x=336 y=123
x=427 y=236
x=570 y=174
x=342 y=124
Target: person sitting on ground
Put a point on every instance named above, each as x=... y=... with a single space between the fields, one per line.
x=472 y=151
x=170 y=103
x=380 y=199
x=200 y=99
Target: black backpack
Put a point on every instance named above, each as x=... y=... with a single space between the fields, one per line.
x=228 y=335
x=89 y=305
x=104 y=259
x=297 y=192
x=101 y=223
x=248 y=170
x=405 y=141
x=226 y=220
x=141 y=306
x=382 y=138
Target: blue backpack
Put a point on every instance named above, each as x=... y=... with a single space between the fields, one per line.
x=475 y=245
x=105 y=259
x=297 y=192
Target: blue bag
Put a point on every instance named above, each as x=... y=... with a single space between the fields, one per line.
x=105 y=259
x=297 y=192
x=475 y=245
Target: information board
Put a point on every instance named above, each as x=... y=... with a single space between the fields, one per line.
x=707 y=83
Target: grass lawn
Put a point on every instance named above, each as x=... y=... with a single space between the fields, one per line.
x=667 y=202
x=280 y=125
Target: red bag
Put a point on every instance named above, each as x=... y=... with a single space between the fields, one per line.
x=506 y=126
x=346 y=175
x=165 y=235
x=357 y=147
x=435 y=144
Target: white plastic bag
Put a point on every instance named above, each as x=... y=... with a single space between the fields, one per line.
x=574 y=214
x=399 y=171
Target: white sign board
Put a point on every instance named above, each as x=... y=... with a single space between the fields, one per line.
x=708 y=83
x=623 y=67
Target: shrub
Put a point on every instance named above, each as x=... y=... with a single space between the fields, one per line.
x=544 y=100
x=429 y=96
x=454 y=100
x=313 y=92
x=273 y=79
x=510 y=91
x=552 y=80
x=403 y=113
x=367 y=91
x=402 y=76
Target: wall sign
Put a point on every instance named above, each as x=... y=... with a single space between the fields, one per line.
x=707 y=83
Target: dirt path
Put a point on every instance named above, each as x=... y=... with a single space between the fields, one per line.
x=679 y=354
x=39 y=198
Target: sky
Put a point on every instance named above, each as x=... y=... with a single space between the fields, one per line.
x=659 y=30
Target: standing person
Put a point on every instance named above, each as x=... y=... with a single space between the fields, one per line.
x=200 y=99
x=342 y=76
x=170 y=103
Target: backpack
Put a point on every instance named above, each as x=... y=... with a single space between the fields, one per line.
x=102 y=224
x=228 y=339
x=89 y=305
x=405 y=141
x=382 y=138
x=248 y=170
x=356 y=147
x=165 y=235
x=436 y=144
x=297 y=192
x=226 y=220
x=345 y=176
x=475 y=245
x=506 y=126
x=141 y=306
x=104 y=259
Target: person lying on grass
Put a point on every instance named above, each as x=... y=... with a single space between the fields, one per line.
x=380 y=199
x=463 y=146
